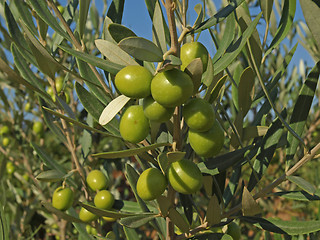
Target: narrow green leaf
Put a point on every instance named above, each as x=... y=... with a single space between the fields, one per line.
x=136 y=221
x=278 y=74
x=108 y=66
x=175 y=156
x=114 y=53
x=212 y=236
x=119 y=32
x=244 y=20
x=298 y=195
x=266 y=8
x=284 y=227
x=199 y=11
x=80 y=124
x=266 y=151
x=128 y=206
x=130 y=233
x=311 y=9
x=42 y=10
x=217 y=89
x=232 y=186
x=116 y=10
x=94 y=107
x=158 y=28
x=14 y=77
x=50 y=123
x=195 y=70
x=26 y=72
x=25 y=14
x=47 y=160
x=178 y=220
x=50 y=176
x=227 y=38
x=287 y=16
x=249 y=206
x=68 y=15
x=60 y=214
x=141 y=49
x=47 y=64
x=16 y=35
x=43 y=28
x=213 y=211
x=151 y=4
x=303 y=184
x=234 y=49
x=112 y=214
x=219 y=16
x=218 y=164
x=112 y=109
x=4 y=225
x=129 y=152
x=92 y=82
x=83 y=15
x=252 y=132
x=246 y=90
x=301 y=110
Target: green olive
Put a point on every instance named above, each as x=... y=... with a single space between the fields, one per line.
x=96 y=180
x=155 y=111
x=62 y=198
x=191 y=51
x=209 y=143
x=104 y=200
x=151 y=184
x=171 y=88
x=185 y=176
x=134 y=81
x=134 y=126
x=198 y=114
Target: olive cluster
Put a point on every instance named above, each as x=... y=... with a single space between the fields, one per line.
x=183 y=175
x=63 y=197
x=161 y=94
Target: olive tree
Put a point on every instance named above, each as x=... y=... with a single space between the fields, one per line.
x=108 y=135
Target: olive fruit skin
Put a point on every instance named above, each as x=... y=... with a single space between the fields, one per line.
x=4 y=130
x=87 y=216
x=198 y=114
x=234 y=231
x=59 y=83
x=27 y=107
x=191 y=51
x=134 y=81
x=155 y=111
x=10 y=168
x=62 y=198
x=151 y=184
x=37 y=128
x=209 y=143
x=96 y=180
x=134 y=125
x=185 y=176
x=171 y=88
x=104 y=200
x=5 y=141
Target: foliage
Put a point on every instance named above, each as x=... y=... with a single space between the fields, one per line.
x=58 y=66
